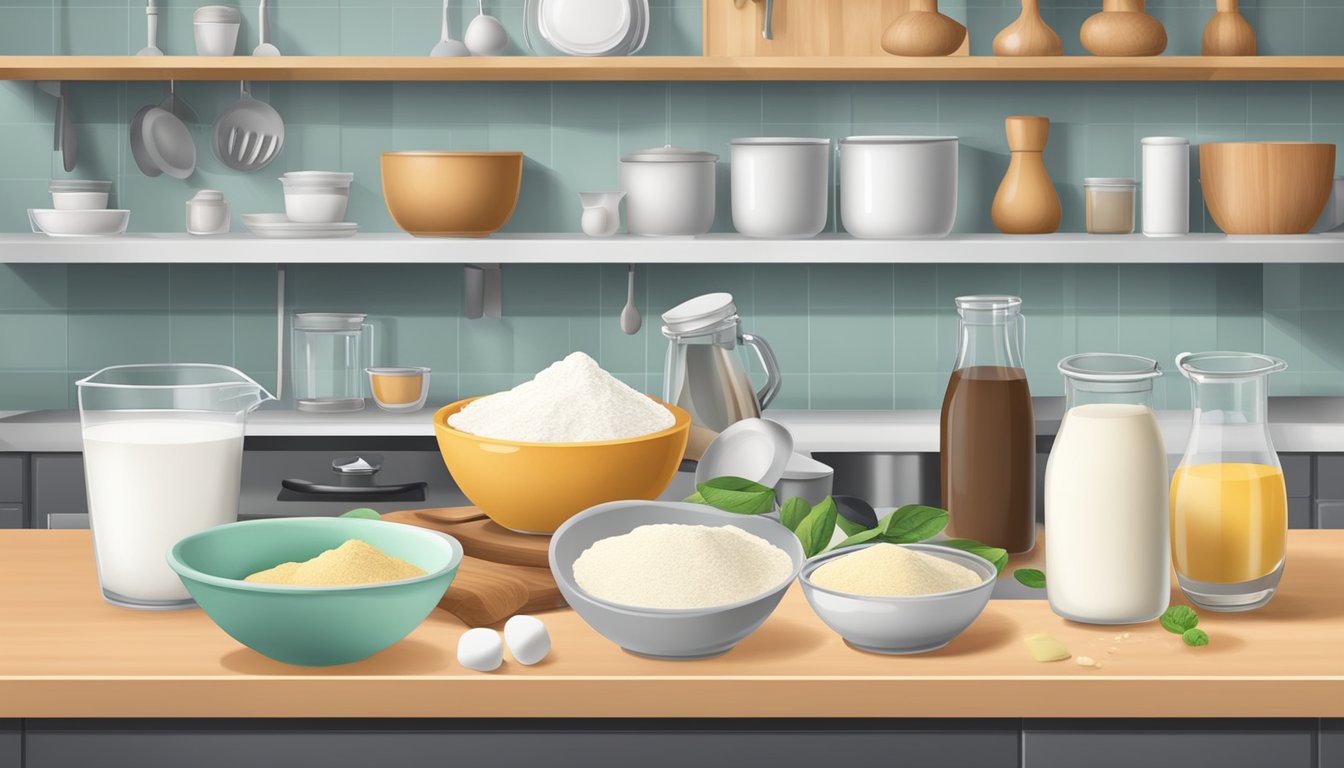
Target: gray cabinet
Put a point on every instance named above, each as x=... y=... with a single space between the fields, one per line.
x=12 y=516
x=618 y=744
x=1331 y=749
x=58 y=487
x=1170 y=743
x=13 y=477
x=11 y=744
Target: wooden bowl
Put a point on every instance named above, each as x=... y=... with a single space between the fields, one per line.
x=451 y=194
x=1270 y=188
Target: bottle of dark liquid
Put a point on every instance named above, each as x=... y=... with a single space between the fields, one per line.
x=988 y=432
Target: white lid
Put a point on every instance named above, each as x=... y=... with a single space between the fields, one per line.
x=217 y=14
x=79 y=185
x=1108 y=181
x=701 y=312
x=777 y=141
x=319 y=177
x=209 y=196
x=895 y=139
x=328 y=321
x=1164 y=140
x=670 y=154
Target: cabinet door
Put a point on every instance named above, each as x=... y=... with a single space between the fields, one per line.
x=13 y=477
x=1169 y=743
x=58 y=486
x=1330 y=515
x=582 y=744
x=1332 y=744
x=11 y=516
x=11 y=744
x=1297 y=474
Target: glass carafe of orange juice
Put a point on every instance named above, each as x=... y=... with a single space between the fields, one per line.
x=1229 y=505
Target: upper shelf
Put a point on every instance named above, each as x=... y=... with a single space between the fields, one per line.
x=685 y=68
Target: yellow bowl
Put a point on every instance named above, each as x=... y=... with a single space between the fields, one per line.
x=535 y=487
x=451 y=194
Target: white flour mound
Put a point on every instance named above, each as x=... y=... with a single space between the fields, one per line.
x=681 y=566
x=572 y=401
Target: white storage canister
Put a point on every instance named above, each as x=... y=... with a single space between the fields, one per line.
x=1166 y=186
x=668 y=191
x=780 y=186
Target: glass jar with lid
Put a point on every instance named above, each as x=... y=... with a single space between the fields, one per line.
x=1109 y=205
x=329 y=358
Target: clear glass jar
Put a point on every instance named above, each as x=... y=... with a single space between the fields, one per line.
x=1108 y=560
x=328 y=350
x=1109 y=205
x=1229 y=503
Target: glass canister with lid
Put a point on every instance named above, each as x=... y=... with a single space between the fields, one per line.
x=329 y=360
x=1109 y=205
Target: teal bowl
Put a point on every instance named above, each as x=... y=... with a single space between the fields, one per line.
x=312 y=626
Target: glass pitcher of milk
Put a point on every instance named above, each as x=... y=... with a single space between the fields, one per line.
x=1229 y=502
x=163 y=451
x=1107 y=557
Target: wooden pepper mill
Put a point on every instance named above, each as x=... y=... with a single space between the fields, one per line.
x=923 y=31
x=1123 y=28
x=1227 y=33
x=1029 y=35
x=1026 y=203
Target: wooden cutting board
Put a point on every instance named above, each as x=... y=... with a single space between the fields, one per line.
x=486 y=589
x=802 y=27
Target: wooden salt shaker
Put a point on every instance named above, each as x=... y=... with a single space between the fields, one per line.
x=1029 y=35
x=1123 y=28
x=1026 y=203
x=923 y=31
x=1227 y=33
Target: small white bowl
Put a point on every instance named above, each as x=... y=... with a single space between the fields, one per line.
x=754 y=449
x=316 y=197
x=69 y=223
x=79 y=195
x=216 y=28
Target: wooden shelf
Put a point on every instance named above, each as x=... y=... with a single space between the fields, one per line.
x=242 y=248
x=395 y=68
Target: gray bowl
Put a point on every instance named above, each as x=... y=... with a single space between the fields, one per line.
x=901 y=624
x=695 y=633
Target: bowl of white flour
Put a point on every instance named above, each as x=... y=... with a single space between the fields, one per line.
x=673 y=580
x=571 y=438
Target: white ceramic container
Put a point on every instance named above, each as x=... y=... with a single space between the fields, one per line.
x=898 y=186
x=316 y=197
x=83 y=223
x=668 y=191
x=79 y=195
x=216 y=28
x=601 y=213
x=1166 y=186
x=208 y=213
x=780 y=186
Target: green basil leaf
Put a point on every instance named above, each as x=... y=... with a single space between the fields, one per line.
x=1030 y=577
x=912 y=523
x=793 y=512
x=695 y=498
x=861 y=537
x=1179 y=619
x=850 y=527
x=995 y=555
x=738 y=495
x=1195 y=637
x=818 y=527
x=363 y=513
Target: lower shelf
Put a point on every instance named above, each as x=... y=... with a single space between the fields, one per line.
x=710 y=249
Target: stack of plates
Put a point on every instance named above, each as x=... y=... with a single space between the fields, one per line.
x=278 y=226
x=587 y=27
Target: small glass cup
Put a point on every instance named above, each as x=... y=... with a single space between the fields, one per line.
x=1109 y=205
x=399 y=389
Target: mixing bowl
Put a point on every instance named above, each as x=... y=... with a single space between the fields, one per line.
x=1270 y=188
x=534 y=487
x=691 y=633
x=444 y=194
x=312 y=626
x=901 y=624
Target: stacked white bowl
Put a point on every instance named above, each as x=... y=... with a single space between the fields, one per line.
x=316 y=197
x=79 y=209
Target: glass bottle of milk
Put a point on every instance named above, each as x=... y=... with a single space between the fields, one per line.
x=1108 y=557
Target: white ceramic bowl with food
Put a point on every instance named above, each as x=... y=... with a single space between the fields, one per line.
x=901 y=625
x=690 y=633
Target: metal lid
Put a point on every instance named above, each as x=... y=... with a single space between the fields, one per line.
x=699 y=313
x=1164 y=140
x=1108 y=181
x=778 y=141
x=79 y=185
x=328 y=321
x=670 y=154
x=217 y=14
x=895 y=139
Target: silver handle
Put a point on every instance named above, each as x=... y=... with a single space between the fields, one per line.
x=773 y=380
x=768 y=27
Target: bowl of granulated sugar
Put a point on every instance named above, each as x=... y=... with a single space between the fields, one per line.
x=573 y=437
x=898 y=598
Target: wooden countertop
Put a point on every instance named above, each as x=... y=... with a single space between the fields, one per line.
x=66 y=653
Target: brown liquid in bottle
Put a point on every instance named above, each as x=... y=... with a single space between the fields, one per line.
x=988 y=437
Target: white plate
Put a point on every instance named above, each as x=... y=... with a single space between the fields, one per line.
x=754 y=449
x=586 y=27
x=278 y=226
x=76 y=223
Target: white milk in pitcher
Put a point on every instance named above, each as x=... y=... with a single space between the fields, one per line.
x=152 y=483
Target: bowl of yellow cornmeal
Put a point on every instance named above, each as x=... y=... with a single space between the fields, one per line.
x=317 y=591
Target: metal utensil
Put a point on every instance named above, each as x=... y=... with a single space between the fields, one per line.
x=63 y=138
x=485 y=35
x=248 y=134
x=630 y=319
x=152 y=23
x=174 y=103
x=447 y=46
x=264 y=48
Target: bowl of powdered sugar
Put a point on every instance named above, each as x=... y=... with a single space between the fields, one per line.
x=898 y=598
x=573 y=437
x=673 y=580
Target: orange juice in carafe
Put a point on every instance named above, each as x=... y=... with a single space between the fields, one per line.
x=1228 y=521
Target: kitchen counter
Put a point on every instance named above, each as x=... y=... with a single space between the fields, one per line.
x=64 y=653
x=1297 y=425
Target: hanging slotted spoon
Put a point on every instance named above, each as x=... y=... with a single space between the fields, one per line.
x=248 y=134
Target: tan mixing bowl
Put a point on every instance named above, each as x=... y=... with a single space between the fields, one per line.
x=451 y=194
x=1269 y=188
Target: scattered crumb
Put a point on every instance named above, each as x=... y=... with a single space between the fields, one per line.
x=1125 y=636
x=1086 y=661
x=1111 y=650
x=1043 y=647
